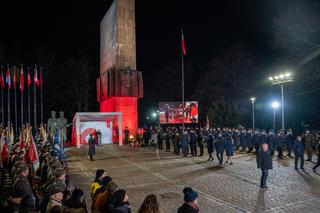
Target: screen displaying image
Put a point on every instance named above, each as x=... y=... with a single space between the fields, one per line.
x=171 y=112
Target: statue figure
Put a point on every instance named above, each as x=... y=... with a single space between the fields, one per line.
x=52 y=123
x=62 y=125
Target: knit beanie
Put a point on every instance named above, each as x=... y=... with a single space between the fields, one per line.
x=189 y=194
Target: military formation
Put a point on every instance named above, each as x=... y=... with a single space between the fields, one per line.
x=224 y=141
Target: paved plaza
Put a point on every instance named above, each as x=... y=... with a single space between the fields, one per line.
x=232 y=188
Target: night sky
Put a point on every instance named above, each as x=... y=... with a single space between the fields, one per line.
x=67 y=27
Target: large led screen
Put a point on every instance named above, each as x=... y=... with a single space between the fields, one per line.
x=171 y=112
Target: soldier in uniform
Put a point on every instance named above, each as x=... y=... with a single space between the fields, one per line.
x=185 y=144
x=210 y=145
x=193 y=143
x=289 y=142
x=52 y=123
x=200 y=141
x=271 y=141
x=243 y=140
x=249 y=140
x=236 y=138
x=309 y=144
x=298 y=153
x=255 y=141
x=21 y=186
x=219 y=145
x=280 y=144
x=92 y=146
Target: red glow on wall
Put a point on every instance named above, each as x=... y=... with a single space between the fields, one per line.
x=128 y=106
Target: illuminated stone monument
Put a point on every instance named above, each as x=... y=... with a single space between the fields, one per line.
x=120 y=84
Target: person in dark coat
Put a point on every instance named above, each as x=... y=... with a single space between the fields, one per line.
x=271 y=141
x=236 y=138
x=185 y=144
x=309 y=144
x=193 y=143
x=190 y=204
x=219 y=145
x=210 y=142
x=264 y=162
x=200 y=141
x=255 y=141
x=126 y=135
x=168 y=140
x=289 y=142
x=243 y=141
x=249 y=141
x=228 y=147
x=298 y=152
x=280 y=144
x=318 y=161
x=92 y=147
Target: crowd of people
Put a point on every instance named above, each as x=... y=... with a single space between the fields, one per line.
x=107 y=196
x=34 y=174
x=224 y=141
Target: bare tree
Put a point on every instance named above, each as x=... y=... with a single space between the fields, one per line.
x=297 y=31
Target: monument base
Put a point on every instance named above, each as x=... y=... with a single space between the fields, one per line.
x=128 y=106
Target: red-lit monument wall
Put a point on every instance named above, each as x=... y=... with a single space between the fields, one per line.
x=120 y=84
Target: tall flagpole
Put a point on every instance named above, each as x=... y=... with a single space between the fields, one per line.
x=8 y=81
x=41 y=97
x=15 y=99
x=35 y=98
x=182 y=80
x=2 y=101
x=21 y=93
x=28 y=83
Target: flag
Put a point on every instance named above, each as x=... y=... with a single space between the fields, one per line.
x=32 y=154
x=36 y=80
x=3 y=149
x=21 y=80
x=14 y=78
x=8 y=78
x=29 y=78
x=41 y=78
x=2 y=78
x=183 y=46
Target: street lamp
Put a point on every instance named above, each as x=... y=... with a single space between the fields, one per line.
x=275 y=105
x=280 y=80
x=253 y=99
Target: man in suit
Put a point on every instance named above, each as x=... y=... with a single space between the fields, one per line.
x=264 y=162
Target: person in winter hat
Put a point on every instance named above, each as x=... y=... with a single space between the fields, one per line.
x=190 y=204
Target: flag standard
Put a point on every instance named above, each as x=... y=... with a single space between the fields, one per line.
x=21 y=93
x=8 y=81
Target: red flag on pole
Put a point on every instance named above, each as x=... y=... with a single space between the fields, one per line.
x=2 y=78
x=36 y=80
x=8 y=78
x=29 y=78
x=183 y=46
x=21 y=79
x=14 y=78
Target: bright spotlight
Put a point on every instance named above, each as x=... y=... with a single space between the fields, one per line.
x=270 y=78
x=276 y=77
x=154 y=114
x=288 y=74
x=275 y=104
x=281 y=76
x=252 y=99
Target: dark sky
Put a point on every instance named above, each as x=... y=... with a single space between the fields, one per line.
x=65 y=27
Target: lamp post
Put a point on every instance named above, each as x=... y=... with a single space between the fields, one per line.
x=253 y=99
x=274 y=105
x=280 y=80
